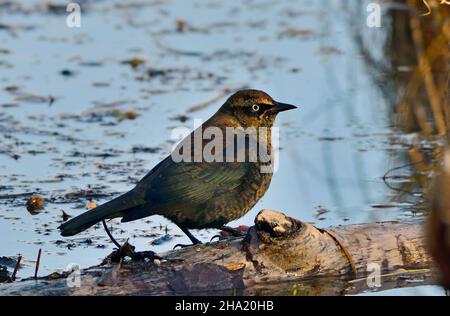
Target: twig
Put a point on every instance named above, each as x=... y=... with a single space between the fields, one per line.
x=38 y=261
x=176 y=50
x=202 y=105
x=13 y=276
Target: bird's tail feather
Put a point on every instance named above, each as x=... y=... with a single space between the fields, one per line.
x=111 y=209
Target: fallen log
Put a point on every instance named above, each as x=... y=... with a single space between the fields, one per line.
x=277 y=249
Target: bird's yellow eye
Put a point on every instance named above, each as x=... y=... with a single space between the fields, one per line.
x=255 y=107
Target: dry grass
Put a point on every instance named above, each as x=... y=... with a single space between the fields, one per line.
x=424 y=105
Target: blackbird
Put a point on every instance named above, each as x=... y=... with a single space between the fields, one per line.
x=204 y=189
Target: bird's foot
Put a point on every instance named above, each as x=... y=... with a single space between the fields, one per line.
x=181 y=246
x=229 y=232
x=128 y=250
x=197 y=242
x=143 y=255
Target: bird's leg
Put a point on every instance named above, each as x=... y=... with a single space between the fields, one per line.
x=194 y=240
x=229 y=231
x=110 y=235
x=128 y=250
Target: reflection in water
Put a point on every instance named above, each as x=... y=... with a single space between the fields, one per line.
x=84 y=115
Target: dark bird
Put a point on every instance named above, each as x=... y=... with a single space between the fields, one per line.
x=198 y=193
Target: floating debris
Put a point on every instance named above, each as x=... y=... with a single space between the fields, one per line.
x=124 y=115
x=329 y=50
x=67 y=73
x=134 y=62
x=320 y=211
x=296 y=33
x=180 y=23
x=65 y=216
x=330 y=139
x=99 y=84
x=87 y=241
x=152 y=72
x=91 y=205
x=8 y=261
x=145 y=149
x=161 y=240
x=56 y=8
x=32 y=98
x=91 y=63
x=4 y=274
x=181 y=118
x=35 y=204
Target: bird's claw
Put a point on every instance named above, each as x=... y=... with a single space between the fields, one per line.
x=227 y=231
x=219 y=237
x=182 y=246
x=197 y=242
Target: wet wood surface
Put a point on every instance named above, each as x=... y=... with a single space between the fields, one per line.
x=278 y=249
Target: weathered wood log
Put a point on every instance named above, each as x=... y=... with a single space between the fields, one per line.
x=277 y=249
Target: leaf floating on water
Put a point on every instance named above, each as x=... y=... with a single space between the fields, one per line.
x=91 y=205
x=124 y=115
x=133 y=62
x=35 y=204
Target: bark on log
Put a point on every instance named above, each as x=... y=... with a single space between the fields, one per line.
x=277 y=249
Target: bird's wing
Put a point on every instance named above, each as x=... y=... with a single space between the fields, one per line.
x=196 y=182
x=187 y=183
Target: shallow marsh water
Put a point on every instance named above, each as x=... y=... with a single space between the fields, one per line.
x=65 y=133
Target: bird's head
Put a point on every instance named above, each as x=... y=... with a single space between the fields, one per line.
x=254 y=108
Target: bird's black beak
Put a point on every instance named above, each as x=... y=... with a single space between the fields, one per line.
x=280 y=107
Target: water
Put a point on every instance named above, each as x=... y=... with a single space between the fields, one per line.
x=335 y=148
